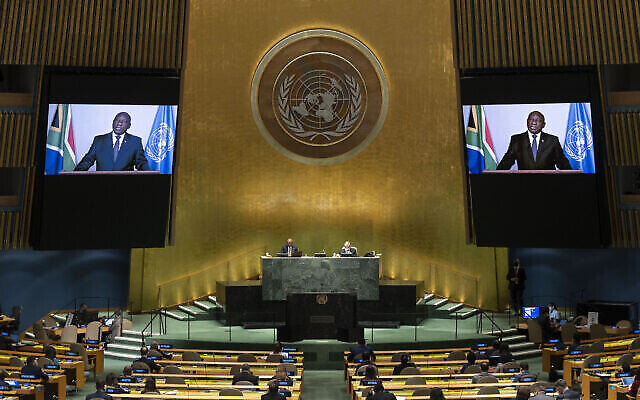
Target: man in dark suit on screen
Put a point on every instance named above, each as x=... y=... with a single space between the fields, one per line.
x=116 y=150
x=534 y=149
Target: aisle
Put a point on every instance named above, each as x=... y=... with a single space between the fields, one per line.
x=323 y=385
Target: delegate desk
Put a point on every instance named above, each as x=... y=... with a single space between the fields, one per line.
x=4 y=320
x=282 y=276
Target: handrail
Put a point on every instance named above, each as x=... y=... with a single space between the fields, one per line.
x=163 y=326
x=479 y=325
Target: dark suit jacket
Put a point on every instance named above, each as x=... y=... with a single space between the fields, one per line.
x=381 y=396
x=98 y=395
x=245 y=376
x=35 y=371
x=285 y=249
x=150 y=363
x=343 y=252
x=521 y=275
x=360 y=350
x=272 y=396
x=569 y=394
x=549 y=156
x=398 y=368
x=130 y=155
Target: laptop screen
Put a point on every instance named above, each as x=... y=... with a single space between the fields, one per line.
x=627 y=380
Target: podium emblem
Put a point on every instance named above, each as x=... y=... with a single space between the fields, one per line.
x=319 y=96
x=322 y=299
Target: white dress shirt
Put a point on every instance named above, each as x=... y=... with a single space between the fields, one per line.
x=538 y=135
x=114 y=138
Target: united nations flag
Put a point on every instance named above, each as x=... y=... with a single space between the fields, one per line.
x=578 y=142
x=159 y=149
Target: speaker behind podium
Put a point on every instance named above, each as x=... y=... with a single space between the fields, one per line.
x=321 y=316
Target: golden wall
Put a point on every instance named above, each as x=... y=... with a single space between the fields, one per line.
x=236 y=196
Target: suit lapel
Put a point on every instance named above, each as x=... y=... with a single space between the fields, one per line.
x=527 y=146
x=542 y=147
x=108 y=144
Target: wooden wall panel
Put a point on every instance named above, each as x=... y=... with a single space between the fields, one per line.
x=537 y=33
x=96 y=33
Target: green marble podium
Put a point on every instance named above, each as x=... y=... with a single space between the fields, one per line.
x=286 y=275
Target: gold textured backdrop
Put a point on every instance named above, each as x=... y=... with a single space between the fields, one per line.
x=235 y=196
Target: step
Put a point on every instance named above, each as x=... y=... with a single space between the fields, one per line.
x=518 y=355
x=437 y=302
x=514 y=339
x=179 y=315
x=191 y=310
x=128 y=340
x=428 y=296
x=120 y=356
x=521 y=346
x=467 y=312
x=212 y=299
x=204 y=305
x=506 y=332
x=452 y=307
x=123 y=348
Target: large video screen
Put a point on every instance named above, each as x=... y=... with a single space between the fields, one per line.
x=99 y=137
x=529 y=137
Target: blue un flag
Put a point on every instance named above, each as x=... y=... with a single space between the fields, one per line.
x=159 y=150
x=578 y=142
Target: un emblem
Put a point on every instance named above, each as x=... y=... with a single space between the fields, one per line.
x=319 y=96
x=578 y=141
x=160 y=142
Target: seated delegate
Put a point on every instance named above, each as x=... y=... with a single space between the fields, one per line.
x=348 y=251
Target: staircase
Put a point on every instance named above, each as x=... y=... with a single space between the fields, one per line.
x=518 y=345
x=126 y=347
x=440 y=307
x=198 y=310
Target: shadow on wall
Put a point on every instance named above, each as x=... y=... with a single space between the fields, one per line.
x=569 y=276
x=41 y=281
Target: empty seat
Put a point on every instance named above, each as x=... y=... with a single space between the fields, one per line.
x=235 y=370
x=140 y=365
x=175 y=380
x=416 y=380
x=422 y=392
x=624 y=327
x=69 y=334
x=172 y=369
x=230 y=392
x=247 y=358
x=596 y=347
x=274 y=358
x=154 y=353
x=457 y=355
x=535 y=332
x=625 y=359
x=191 y=356
x=243 y=383
x=580 y=320
x=488 y=379
x=291 y=369
x=590 y=360
x=93 y=331
x=43 y=362
x=410 y=371
x=510 y=365
x=567 y=331
x=362 y=369
x=635 y=344
x=396 y=357
x=489 y=390
x=16 y=362
x=473 y=369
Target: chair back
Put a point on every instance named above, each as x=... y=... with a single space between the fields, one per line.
x=585 y=348
x=172 y=369
x=49 y=322
x=291 y=368
x=624 y=359
x=510 y=365
x=635 y=344
x=127 y=324
x=580 y=320
x=489 y=390
x=16 y=362
x=175 y=380
x=191 y=356
x=155 y=353
x=457 y=355
x=243 y=383
x=358 y=357
x=597 y=331
x=246 y=358
x=528 y=378
x=82 y=352
x=416 y=380
x=624 y=327
x=15 y=312
x=473 y=369
x=363 y=368
x=69 y=334
x=567 y=331
x=140 y=365
x=366 y=392
x=422 y=392
x=116 y=327
x=410 y=371
x=38 y=331
x=274 y=358
x=93 y=330
x=596 y=347
x=535 y=332
x=488 y=379
x=43 y=362
x=230 y=392
x=593 y=359
x=396 y=357
x=235 y=370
